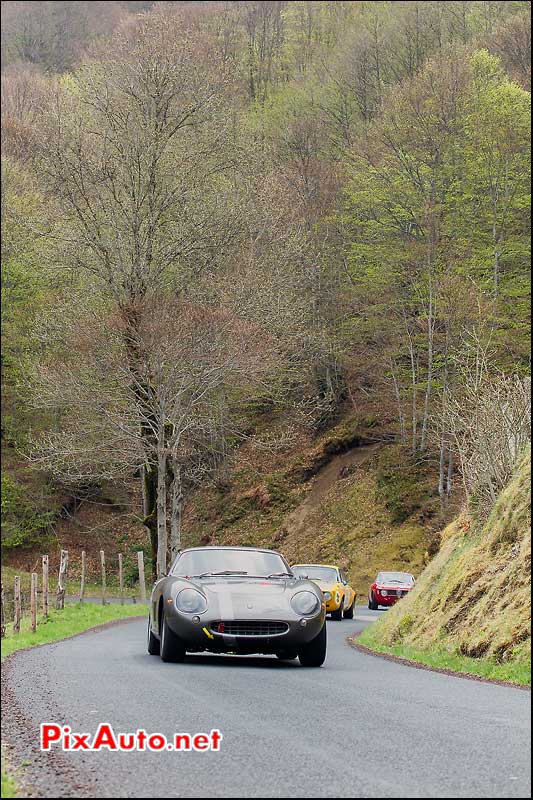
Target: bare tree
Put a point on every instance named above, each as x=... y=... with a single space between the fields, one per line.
x=113 y=421
x=187 y=283
x=488 y=420
x=135 y=153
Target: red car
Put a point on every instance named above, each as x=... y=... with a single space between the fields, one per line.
x=388 y=588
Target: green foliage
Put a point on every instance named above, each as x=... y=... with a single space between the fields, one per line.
x=24 y=523
x=402 y=483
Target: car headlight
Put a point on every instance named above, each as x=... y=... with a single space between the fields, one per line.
x=189 y=601
x=383 y=593
x=327 y=596
x=305 y=603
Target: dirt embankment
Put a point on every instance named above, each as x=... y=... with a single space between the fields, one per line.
x=340 y=466
x=351 y=498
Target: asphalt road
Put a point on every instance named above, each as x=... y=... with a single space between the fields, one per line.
x=360 y=726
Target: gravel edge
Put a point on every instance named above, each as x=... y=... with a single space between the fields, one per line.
x=19 y=737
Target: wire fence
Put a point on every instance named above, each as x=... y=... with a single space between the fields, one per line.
x=99 y=578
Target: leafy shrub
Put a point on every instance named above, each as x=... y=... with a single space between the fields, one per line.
x=23 y=522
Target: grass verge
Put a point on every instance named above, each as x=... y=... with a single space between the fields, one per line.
x=441 y=658
x=8 y=785
x=73 y=619
x=60 y=625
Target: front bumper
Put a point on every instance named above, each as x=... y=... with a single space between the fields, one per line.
x=389 y=599
x=203 y=635
x=386 y=601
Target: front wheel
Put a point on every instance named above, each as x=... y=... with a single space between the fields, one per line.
x=313 y=654
x=348 y=612
x=372 y=604
x=153 y=641
x=287 y=655
x=172 y=647
x=338 y=613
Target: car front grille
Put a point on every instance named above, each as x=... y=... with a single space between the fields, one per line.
x=249 y=628
x=393 y=592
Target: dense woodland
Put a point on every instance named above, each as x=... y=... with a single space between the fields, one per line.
x=216 y=212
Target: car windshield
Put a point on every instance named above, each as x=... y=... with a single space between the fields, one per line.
x=316 y=573
x=394 y=577
x=229 y=562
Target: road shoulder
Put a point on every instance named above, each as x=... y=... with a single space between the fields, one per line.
x=410 y=662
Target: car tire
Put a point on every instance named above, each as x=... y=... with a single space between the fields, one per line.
x=348 y=612
x=372 y=604
x=172 y=648
x=313 y=654
x=153 y=641
x=339 y=612
x=287 y=655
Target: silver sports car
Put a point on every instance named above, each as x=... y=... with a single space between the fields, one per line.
x=236 y=600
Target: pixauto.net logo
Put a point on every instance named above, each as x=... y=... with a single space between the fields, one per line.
x=105 y=738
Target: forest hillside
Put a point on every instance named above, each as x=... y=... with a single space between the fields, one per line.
x=265 y=276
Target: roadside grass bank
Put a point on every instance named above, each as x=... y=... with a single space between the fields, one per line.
x=60 y=625
x=439 y=658
x=73 y=619
x=470 y=610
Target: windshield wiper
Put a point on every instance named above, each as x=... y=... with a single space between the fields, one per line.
x=280 y=575
x=222 y=572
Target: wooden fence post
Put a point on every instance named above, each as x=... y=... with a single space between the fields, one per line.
x=33 y=602
x=45 y=587
x=62 y=580
x=140 y=561
x=82 y=581
x=102 y=561
x=2 y=614
x=18 y=606
x=120 y=579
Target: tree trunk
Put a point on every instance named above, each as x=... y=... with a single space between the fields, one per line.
x=414 y=397
x=149 y=485
x=162 y=531
x=401 y=416
x=449 y=480
x=175 y=511
x=429 y=383
x=62 y=580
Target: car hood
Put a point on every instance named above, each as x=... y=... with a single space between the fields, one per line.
x=247 y=587
x=249 y=598
x=327 y=586
x=230 y=598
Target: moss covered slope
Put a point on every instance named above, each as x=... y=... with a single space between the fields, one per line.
x=474 y=598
